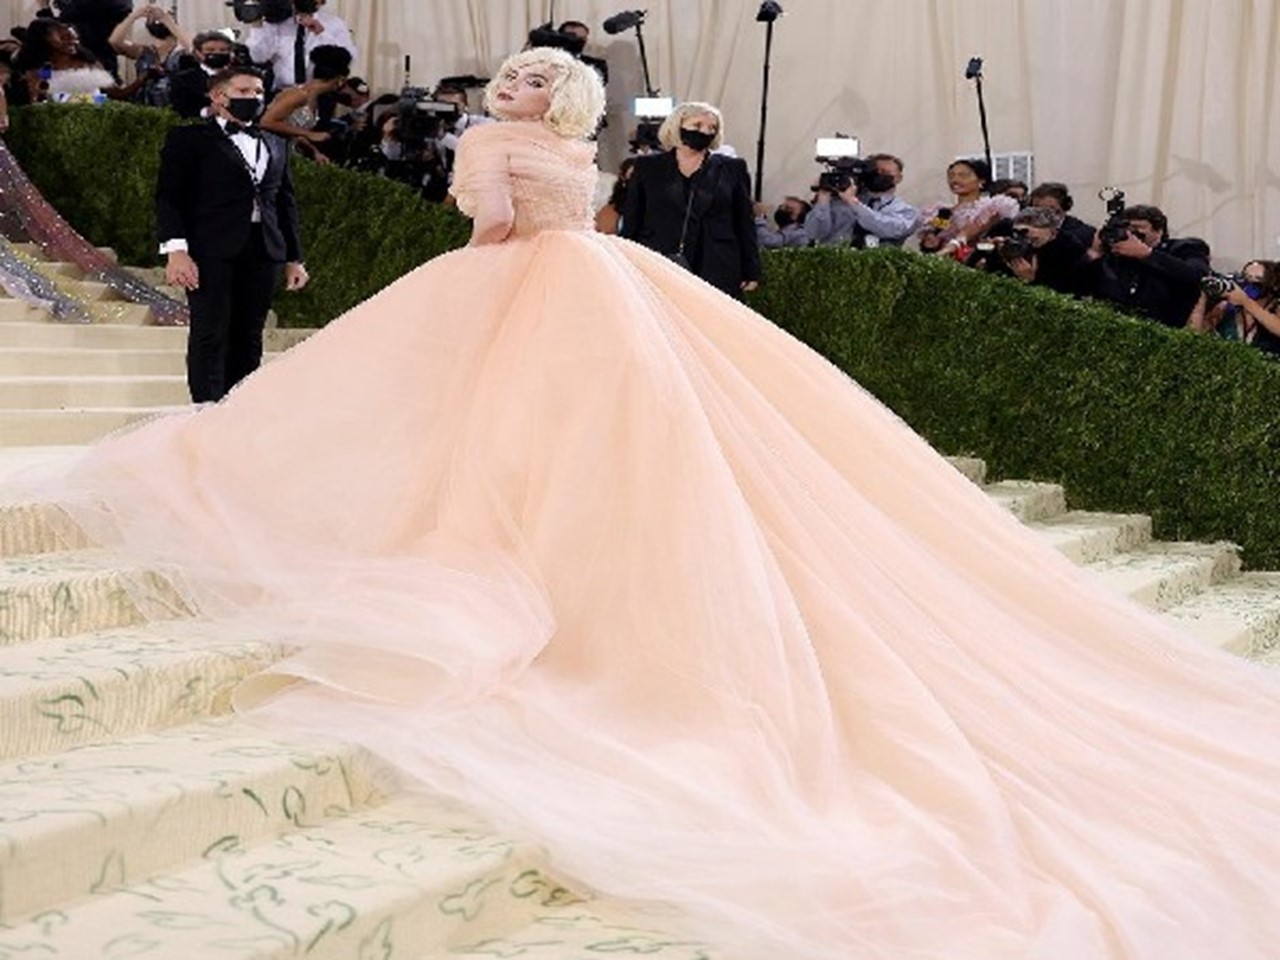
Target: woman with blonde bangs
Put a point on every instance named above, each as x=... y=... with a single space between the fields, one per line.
x=694 y=205
x=580 y=543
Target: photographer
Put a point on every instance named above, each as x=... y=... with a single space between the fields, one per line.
x=156 y=59
x=407 y=154
x=1056 y=197
x=286 y=46
x=1037 y=252
x=862 y=211
x=790 y=218
x=1245 y=308
x=189 y=87
x=1135 y=265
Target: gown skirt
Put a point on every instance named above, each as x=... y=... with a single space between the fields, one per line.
x=570 y=537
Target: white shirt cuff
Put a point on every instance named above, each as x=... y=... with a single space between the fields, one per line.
x=173 y=246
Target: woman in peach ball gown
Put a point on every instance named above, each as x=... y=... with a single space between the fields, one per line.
x=568 y=535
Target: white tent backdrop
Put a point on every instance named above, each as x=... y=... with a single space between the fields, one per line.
x=1175 y=100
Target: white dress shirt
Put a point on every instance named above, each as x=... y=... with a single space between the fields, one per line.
x=273 y=43
x=256 y=159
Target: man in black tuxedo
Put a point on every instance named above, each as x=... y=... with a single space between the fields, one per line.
x=228 y=223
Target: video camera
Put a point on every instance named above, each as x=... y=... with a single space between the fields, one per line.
x=272 y=11
x=1116 y=228
x=422 y=118
x=840 y=155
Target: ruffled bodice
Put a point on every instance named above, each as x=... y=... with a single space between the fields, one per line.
x=550 y=179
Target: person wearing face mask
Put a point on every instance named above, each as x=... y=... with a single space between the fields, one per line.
x=228 y=224
x=1145 y=272
x=189 y=87
x=790 y=217
x=158 y=56
x=867 y=213
x=694 y=205
x=1249 y=311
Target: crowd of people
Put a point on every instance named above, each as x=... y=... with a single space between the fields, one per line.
x=682 y=191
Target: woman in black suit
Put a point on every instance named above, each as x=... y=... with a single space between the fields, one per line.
x=693 y=204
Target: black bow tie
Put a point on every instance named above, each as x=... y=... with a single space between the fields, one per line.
x=249 y=131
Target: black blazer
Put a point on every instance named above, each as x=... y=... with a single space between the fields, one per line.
x=721 y=245
x=205 y=195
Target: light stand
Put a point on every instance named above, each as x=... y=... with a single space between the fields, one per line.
x=628 y=20
x=974 y=72
x=769 y=12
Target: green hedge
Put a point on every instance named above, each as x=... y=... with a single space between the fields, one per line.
x=98 y=165
x=1128 y=415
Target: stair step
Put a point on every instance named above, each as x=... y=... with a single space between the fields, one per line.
x=1086 y=537
x=971 y=467
x=45 y=362
x=60 y=269
x=85 y=392
x=1241 y=616
x=33 y=428
x=137 y=807
x=64 y=594
x=411 y=878
x=121 y=312
x=60 y=693
x=48 y=335
x=28 y=529
x=1028 y=500
x=34 y=251
x=1163 y=575
x=13 y=310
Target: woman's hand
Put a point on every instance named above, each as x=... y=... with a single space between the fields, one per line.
x=749 y=285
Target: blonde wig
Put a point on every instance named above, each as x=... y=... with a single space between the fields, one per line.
x=669 y=132
x=577 y=93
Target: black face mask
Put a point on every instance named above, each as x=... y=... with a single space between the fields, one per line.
x=696 y=139
x=878 y=183
x=159 y=31
x=783 y=217
x=217 y=61
x=245 y=109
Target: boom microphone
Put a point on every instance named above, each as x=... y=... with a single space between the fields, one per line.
x=624 y=21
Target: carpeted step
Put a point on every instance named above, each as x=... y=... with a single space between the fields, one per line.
x=88 y=392
x=1027 y=500
x=60 y=693
x=52 y=362
x=13 y=310
x=65 y=594
x=1163 y=575
x=31 y=428
x=412 y=879
x=1085 y=537
x=127 y=811
x=49 y=335
x=1241 y=616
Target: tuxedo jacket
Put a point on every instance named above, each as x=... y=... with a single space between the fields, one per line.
x=721 y=244
x=205 y=195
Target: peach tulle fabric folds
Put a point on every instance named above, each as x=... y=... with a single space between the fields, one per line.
x=565 y=533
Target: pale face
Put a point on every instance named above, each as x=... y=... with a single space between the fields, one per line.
x=889 y=169
x=1038 y=236
x=1253 y=272
x=1145 y=231
x=1049 y=203
x=703 y=122
x=524 y=94
x=238 y=87
x=214 y=47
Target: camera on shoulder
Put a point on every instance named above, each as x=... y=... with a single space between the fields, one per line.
x=272 y=11
x=845 y=167
x=1116 y=229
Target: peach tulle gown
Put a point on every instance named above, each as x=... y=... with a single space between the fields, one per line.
x=565 y=533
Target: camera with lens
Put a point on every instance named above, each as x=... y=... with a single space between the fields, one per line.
x=1017 y=246
x=272 y=11
x=840 y=155
x=422 y=118
x=1116 y=228
x=1218 y=285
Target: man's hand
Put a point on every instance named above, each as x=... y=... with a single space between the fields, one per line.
x=1131 y=247
x=295 y=277
x=181 y=271
x=822 y=198
x=1024 y=268
x=762 y=210
x=749 y=285
x=850 y=195
x=311 y=22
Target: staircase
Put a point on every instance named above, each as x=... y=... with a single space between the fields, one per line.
x=138 y=818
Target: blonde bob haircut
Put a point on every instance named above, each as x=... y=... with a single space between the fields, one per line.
x=577 y=93
x=669 y=132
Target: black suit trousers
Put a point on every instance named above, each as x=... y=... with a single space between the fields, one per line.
x=228 y=313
